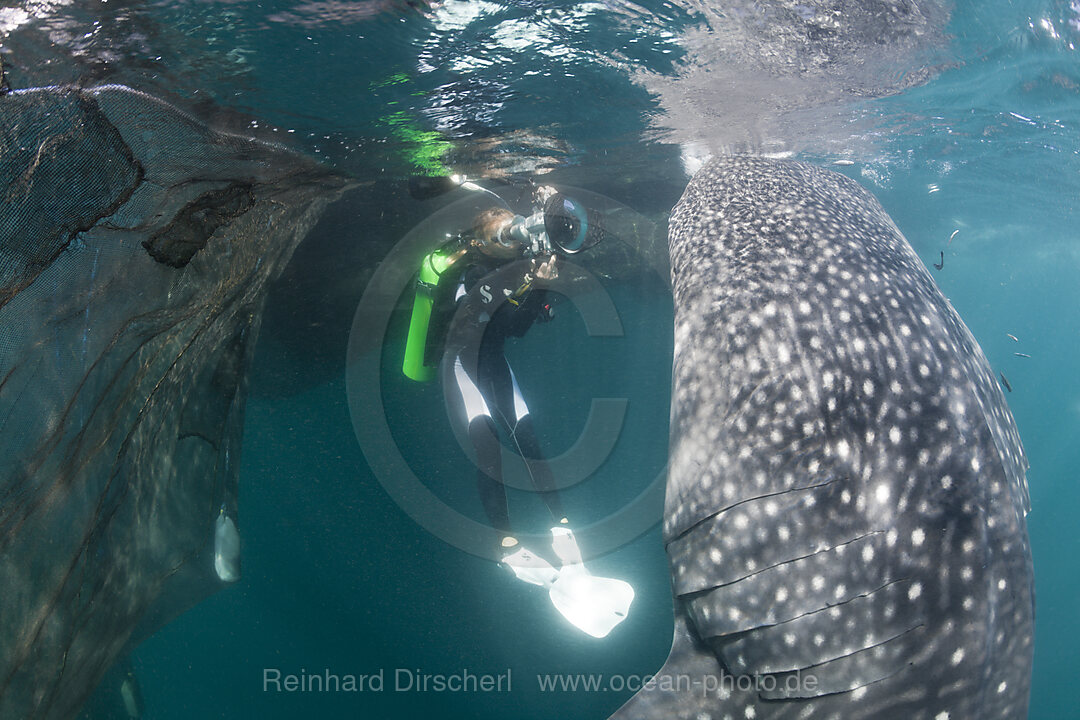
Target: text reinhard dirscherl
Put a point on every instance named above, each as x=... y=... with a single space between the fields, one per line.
x=399 y=680
x=467 y=681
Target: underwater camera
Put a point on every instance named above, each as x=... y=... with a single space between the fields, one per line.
x=570 y=226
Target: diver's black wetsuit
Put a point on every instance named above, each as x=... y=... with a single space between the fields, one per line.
x=488 y=302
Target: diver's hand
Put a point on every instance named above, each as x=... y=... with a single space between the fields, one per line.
x=547 y=270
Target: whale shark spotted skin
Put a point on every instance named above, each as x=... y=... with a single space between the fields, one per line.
x=846 y=500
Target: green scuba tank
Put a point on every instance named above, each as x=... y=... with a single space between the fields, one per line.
x=431 y=269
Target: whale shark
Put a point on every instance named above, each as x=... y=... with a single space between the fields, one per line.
x=846 y=496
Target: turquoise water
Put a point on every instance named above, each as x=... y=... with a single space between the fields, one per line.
x=336 y=576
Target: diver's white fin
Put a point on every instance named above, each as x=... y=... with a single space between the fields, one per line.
x=565 y=545
x=594 y=605
x=530 y=567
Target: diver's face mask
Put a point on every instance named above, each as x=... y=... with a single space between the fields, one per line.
x=491 y=234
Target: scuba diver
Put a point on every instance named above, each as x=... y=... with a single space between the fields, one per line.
x=484 y=285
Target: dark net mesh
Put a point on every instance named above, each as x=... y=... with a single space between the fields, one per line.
x=136 y=246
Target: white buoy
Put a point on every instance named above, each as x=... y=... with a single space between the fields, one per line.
x=226 y=548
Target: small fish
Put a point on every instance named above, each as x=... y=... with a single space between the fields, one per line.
x=843 y=162
x=942 y=263
x=1014 y=338
x=1021 y=354
x=951 y=237
x=1005 y=382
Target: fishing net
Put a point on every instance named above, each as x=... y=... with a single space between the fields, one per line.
x=136 y=246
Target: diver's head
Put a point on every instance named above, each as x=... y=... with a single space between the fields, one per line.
x=491 y=234
x=559 y=224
